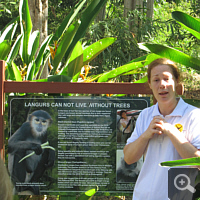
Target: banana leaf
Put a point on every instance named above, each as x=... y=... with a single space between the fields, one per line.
x=172 y=54
x=14 y=50
x=87 y=17
x=136 y=71
x=120 y=70
x=151 y=57
x=75 y=66
x=4 y=49
x=75 y=62
x=26 y=27
x=96 y=48
x=142 y=80
x=132 y=66
x=64 y=44
x=142 y=58
x=183 y=162
x=188 y=22
x=77 y=51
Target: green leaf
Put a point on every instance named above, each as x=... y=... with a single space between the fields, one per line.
x=43 y=146
x=151 y=57
x=59 y=78
x=87 y=17
x=120 y=70
x=41 y=80
x=9 y=32
x=30 y=71
x=75 y=78
x=88 y=194
x=183 y=162
x=75 y=66
x=188 y=22
x=10 y=71
x=64 y=44
x=136 y=71
x=26 y=27
x=16 y=72
x=45 y=56
x=142 y=80
x=172 y=54
x=131 y=68
x=146 y=60
x=96 y=48
x=142 y=58
x=15 y=20
x=75 y=63
x=42 y=55
x=4 y=49
x=14 y=50
x=67 y=21
x=77 y=51
x=42 y=50
x=33 y=45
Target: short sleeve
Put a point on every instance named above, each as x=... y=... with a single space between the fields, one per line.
x=194 y=130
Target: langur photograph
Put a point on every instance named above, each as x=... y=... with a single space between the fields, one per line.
x=127 y=173
x=29 y=152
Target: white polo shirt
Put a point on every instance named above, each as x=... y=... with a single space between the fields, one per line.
x=152 y=183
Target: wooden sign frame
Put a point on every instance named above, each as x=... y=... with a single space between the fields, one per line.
x=64 y=87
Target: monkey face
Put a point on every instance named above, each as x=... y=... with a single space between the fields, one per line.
x=39 y=125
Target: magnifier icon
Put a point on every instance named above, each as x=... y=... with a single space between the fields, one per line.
x=182 y=182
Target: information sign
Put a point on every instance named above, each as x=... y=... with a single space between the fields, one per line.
x=85 y=137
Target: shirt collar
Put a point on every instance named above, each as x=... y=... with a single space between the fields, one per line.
x=178 y=111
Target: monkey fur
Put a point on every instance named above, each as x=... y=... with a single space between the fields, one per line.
x=26 y=139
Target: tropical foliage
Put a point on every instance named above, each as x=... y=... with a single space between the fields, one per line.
x=191 y=24
x=63 y=49
x=162 y=30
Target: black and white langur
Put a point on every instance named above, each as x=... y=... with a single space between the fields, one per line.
x=26 y=139
x=128 y=173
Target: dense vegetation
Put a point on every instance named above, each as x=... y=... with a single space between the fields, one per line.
x=162 y=29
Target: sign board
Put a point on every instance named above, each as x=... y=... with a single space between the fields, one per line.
x=86 y=138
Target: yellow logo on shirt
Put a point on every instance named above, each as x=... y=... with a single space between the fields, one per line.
x=179 y=127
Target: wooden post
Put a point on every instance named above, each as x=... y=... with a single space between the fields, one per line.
x=2 y=96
